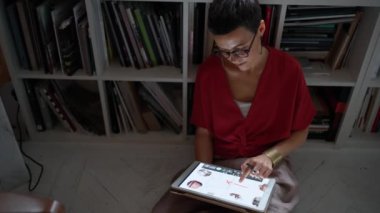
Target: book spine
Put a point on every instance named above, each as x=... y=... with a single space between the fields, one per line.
x=130 y=100
x=126 y=46
x=111 y=108
x=70 y=57
x=79 y=13
x=376 y=122
x=138 y=38
x=125 y=110
x=34 y=105
x=145 y=37
x=83 y=44
x=45 y=111
x=27 y=35
x=55 y=107
x=114 y=38
x=17 y=35
x=131 y=36
x=156 y=39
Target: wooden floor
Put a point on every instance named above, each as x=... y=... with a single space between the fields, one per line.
x=125 y=178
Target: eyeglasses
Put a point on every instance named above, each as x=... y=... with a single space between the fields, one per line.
x=238 y=53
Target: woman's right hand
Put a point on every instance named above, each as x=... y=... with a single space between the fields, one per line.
x=260 y=165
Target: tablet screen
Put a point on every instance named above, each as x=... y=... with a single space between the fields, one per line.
x=223 y=184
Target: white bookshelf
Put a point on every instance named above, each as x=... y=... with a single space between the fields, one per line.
x=371 y=79
x=356 y=73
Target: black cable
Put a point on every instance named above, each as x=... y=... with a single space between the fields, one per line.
x=27 y=156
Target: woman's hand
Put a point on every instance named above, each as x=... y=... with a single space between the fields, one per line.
x=260 y=165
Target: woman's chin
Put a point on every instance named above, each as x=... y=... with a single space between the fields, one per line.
x=242 y=67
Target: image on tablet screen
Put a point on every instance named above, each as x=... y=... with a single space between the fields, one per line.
x=224 y=183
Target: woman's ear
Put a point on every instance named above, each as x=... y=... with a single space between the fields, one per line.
x=262 y=27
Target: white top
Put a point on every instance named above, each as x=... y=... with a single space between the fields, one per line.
x=244 y=107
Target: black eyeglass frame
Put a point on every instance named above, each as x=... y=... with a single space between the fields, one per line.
x=238 y=53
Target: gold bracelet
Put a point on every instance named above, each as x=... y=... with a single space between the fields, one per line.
x=274 y=155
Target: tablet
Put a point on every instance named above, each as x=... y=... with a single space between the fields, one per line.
x=220 y=186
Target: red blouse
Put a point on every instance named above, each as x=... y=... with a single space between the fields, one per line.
x=281 y=105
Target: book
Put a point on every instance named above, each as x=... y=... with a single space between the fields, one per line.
x=169 y=29
x=122 y=32
x=34 y=105
x=373 y=110
x=114 y=40
x=167 y=39
x=159 y=95
x=27 y=35
x=45 y=110
x=85 y=47
x=69 y=47
x=376 y=122
x=162 y=38
x=83 y=105
x=121 y=117
x=319 y=13
x=313 y=55
x=157 y=39
x=158 y=110
x=319 y=22
x=66 y=36
x=316 y=29
x=135 y=47
x=199 y=29
x=125 y=112
x=152 y=39
x=341 y=43
x=145 y=37
x=31 y=13
x=19 y=41
x=321 y=123
x=79 y=12
x=150 y=119
x=360 y=120
x=50 y=97
x=112 y=110
x=48 y=42
x=336 y=98
x=132 y=101
x=138 y=37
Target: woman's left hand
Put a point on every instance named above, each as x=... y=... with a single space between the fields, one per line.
x=260 y=165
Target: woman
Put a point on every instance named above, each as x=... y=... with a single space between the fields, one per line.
x=251 y=106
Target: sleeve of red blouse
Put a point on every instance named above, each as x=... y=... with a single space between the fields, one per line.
x=304 y=109
x=199 y=113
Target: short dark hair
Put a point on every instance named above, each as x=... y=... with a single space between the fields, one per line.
x=227 y=15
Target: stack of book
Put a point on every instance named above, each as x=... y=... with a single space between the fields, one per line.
x=51 y=35
x=269 y=15
x=331 y=104
x=143 y=35
x=320 y=32
x=142 y=107
x=368 y=119
x=320 y=124
x=76 y=108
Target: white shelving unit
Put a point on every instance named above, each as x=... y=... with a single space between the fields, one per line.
x=360 y=64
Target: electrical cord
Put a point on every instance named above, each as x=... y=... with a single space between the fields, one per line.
x=27 y=156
